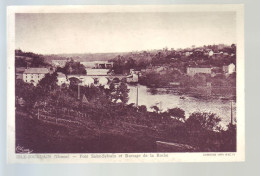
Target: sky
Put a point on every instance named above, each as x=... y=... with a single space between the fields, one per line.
x=60 y=33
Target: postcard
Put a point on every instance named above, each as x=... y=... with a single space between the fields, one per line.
x=131 y=84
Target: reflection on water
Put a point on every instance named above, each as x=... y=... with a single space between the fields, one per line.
x=189 y=104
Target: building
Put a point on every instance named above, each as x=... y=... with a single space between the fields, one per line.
x=132 y=78
x=34 y=75
x=217 y=56
x=97 y=72
x=188 y=53
x=229 y=69
x=98 y=64
x=133 y=71
x=191 y=71
x=174 y=84
x=220 y=46
x=59 y=63
x=210 y=53
x=62 y=79
x=88 y=64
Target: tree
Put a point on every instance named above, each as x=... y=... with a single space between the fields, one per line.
x=38 y=61
x=142 y=108
x=203 y=121
x=48 y=83
x=120 y=92
x=177 y=113
x=25 y=91
x=73 y=67
x=74 y=81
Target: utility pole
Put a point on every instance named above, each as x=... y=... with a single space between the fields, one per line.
x=137 y=96
x=231 y=114
x=38 y=114
x=78 y=92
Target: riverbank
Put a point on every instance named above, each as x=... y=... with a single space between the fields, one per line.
x=188 y=102
x=221 y=93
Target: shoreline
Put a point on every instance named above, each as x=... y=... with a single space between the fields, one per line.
x=182 y=92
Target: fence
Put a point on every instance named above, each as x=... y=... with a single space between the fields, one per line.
x=63 y=116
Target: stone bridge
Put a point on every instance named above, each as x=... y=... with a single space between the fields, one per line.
x=98 y=77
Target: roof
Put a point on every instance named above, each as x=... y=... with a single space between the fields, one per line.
x=199 y=66
x=61 y=75
x=20 y=76
x=36 y=70
x=228 y=64
x=19 y=69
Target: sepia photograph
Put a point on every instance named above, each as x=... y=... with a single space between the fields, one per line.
x=126 y=83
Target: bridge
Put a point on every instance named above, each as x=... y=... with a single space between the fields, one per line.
x=97 y=78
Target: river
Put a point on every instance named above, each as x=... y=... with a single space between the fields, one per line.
x=164 y=100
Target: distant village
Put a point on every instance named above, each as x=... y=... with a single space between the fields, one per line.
x=183 y=69
x=101 y=72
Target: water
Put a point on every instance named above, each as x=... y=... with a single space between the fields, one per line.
x=190 y=104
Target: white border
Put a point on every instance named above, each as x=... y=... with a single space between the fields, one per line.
x=172 y=157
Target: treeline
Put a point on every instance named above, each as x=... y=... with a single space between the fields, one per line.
x=29 y=59
x=154 y=79
x=175 y=58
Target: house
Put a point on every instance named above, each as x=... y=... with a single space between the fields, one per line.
x=88 y=64
x=229 y=69
x=187 y=53
x=210 y=53
x=133 y=71
x=191 y=71
x=34 y=75
x=174 y=84
x=132 y=78
x=217 y=56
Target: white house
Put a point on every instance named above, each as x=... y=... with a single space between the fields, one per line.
x=132 y=78
x=211 y=53
x=229 y=69
x=191 y=71
x=34 y=75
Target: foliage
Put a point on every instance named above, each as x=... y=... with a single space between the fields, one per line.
x=25 y=91
x=203 y=120
x=142 y=108
x=74 y=81
x=48 y=83
x=24 y=59
x=119 y=92
x=177 y=113
x=73 y=67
